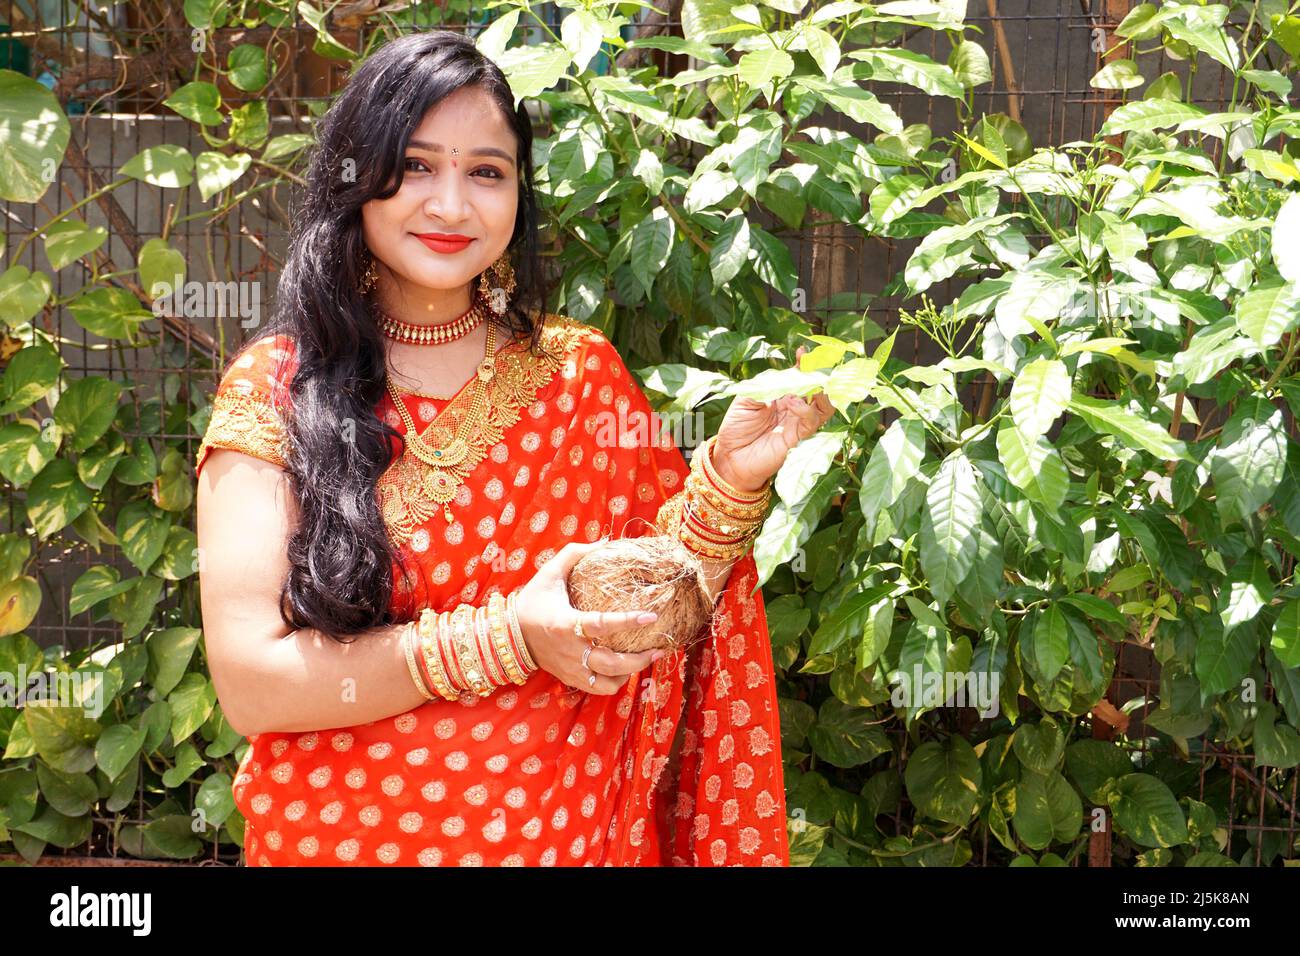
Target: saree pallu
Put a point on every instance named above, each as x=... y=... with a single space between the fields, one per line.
x=682 y=766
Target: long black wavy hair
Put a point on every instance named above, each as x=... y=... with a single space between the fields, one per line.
x=340 y=557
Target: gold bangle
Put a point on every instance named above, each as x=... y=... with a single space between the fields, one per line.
x=743 y=497
x=512 y=615
x=408 y=648
x=501 y=637
x=434 y=662
x=486 y=651
x=462 y=622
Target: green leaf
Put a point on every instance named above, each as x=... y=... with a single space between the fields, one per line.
x=25 y=450
x=142 y=532
x=1141 y=433
x=1250 y=460
x=895 y=461
x=198 y=102
x=970 y=64
x=22 y=294
x=30 y=374
x=1286 y=634
x=534 y=69
x=896 y=197
x=187 y=762
x=846 y=736
x=96 y=584
x=56 y=497
x=247 y=65
x=847 y=620
x=949 y=524
x=1051 y=641
x=171 y=167
x=1039 y=746
x=914 y=69
x=1033 y=466
x=68 y=240
x=250 y=124
x=111 y=313
x=789 y=526
x=162 y=268
x=216 y=171
x=33 y=137
x=1269 y=310
x=943 y=780
x=1246 y=591
x=1146 y=811
x=216 y=799
x=1117 y=75
x=758 y=68
x=64 y=736
x=650 y=244
x=1048 y=809
x=806 y=463
x=854 y=102
x=20 y=599
x=1039 y=395
x=286 y=145
x=86 y=409
x=1286 y=244
x=730 y=249
x=325 y=43
x=1147 y=115
x=191 y=704
x=170 y=651
x=116 y=746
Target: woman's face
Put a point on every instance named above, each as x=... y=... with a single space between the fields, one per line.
x=473 y=192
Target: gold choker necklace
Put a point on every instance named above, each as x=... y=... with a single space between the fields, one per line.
x=439 y=334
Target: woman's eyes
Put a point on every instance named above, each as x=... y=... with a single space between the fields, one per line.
x=421 y=164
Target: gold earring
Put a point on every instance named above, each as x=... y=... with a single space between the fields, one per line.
x=502 y=277
x=368 y=278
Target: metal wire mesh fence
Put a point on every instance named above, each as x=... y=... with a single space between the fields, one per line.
x=113 y=67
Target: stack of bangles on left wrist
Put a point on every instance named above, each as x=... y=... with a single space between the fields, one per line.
x=470 y=651
x=713 y=519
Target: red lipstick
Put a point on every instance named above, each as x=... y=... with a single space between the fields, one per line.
x=444 y=242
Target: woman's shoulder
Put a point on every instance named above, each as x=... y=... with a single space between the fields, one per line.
x=564 y=337
x=263 y=366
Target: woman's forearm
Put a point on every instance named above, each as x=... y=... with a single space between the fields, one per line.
x=307 y=681
x=716 y=574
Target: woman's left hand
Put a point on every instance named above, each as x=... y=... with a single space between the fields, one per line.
x=755 y=437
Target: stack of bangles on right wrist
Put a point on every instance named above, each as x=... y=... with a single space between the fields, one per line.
x=713 y=519
x=470 y=651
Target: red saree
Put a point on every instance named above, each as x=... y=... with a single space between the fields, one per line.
x=681 y=767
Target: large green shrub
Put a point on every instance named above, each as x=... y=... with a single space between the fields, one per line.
x=1126 y=476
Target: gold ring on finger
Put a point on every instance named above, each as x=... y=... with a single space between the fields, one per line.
x=577 y=630
x=591 y=681
x=586 y=655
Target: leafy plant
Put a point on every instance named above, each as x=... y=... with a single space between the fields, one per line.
x=1124 y=480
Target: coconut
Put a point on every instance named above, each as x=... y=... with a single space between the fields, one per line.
x=652 y=573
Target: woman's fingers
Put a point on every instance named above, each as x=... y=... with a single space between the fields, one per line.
x=618 y=663
x=571 y=554
x=606 y=623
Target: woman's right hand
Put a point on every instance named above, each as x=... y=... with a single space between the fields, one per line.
x=547 y=619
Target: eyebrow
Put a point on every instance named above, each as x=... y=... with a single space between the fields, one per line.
x=480 y=151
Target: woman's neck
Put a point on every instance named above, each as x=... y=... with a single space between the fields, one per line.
x=420 y=305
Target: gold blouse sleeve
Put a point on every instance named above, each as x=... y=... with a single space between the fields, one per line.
x=247 y=422
x=245 y=417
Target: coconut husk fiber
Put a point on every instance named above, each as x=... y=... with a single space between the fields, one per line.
x=652 y=573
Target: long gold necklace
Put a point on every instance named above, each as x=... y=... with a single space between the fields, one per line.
x=445 y=461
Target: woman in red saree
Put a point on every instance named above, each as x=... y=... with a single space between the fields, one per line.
x=680 y=765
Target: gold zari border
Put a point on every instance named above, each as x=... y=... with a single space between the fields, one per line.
x=246 y=422
x=519 y=373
